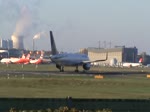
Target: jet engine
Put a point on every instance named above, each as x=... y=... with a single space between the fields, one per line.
x=58 y=66
x=86 y=66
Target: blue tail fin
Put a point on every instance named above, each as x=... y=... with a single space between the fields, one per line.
x=53 y=46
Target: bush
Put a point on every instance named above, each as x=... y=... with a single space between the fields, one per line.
x=60 y=109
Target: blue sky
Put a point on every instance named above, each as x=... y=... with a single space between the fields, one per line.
x=80 y=23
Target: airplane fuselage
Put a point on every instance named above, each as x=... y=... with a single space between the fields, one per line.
x=69 y=59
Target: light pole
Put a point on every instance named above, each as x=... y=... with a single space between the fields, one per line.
x=33 y=44
x=99 y=44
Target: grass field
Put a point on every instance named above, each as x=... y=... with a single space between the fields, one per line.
x=74 y=85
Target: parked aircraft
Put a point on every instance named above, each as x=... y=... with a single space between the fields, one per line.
x=22 y=60
x=6 y=60
x=41 y=60
x=37 y=61
x=133 y=64
x=69 y=59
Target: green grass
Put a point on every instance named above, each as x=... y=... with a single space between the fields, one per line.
x=76 y=86
x=30 y=67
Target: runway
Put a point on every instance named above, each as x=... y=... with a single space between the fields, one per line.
x=71 y=73
x=49 y=70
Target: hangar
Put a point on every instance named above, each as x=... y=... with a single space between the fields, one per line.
x=119 y=53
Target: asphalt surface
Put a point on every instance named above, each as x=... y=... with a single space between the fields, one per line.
x=16 y=72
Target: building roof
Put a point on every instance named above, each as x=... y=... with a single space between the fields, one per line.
x=102 y=50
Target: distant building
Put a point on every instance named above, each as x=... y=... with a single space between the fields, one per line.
x=3 y=43
x=6 y=44
x=83 y=51
x=10 y=44
x=120 y=53
x=4 y=54
x=15 y=53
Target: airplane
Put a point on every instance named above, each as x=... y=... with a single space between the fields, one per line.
x=10 y=60
x=133 y=64
x=42 y=60
x=22 y=60
x=6 y=60
x=46 y=60
x=69 y=59
x=37 y=61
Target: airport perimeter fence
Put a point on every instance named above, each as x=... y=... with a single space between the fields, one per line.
x=116 y=105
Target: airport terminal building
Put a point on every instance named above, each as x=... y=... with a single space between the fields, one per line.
x=119 y=53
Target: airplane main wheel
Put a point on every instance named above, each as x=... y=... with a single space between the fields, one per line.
x=76 y=70
x=62 y=69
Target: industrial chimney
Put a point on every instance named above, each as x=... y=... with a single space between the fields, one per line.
x=17 y=42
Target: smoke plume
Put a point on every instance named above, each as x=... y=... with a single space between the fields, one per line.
x=17 y=17
x=38 y=35
x=22 y=19
x=23 y=23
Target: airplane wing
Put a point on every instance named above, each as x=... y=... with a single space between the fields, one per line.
x=91 y=61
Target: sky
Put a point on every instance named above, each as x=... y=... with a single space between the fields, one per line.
x=78 y=23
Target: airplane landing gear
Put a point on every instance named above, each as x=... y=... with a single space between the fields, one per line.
x=61 y=69
x=76 y=70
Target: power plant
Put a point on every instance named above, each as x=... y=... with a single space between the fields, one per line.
x=17 y=42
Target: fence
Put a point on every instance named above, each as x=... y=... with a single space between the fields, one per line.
x=116 y=105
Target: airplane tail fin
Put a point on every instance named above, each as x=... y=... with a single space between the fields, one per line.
x=42 y=54
x=28 y=56
x=141 y=60
x=23 y=56
x=53 y=46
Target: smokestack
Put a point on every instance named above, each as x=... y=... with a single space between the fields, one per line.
x=17 y=42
